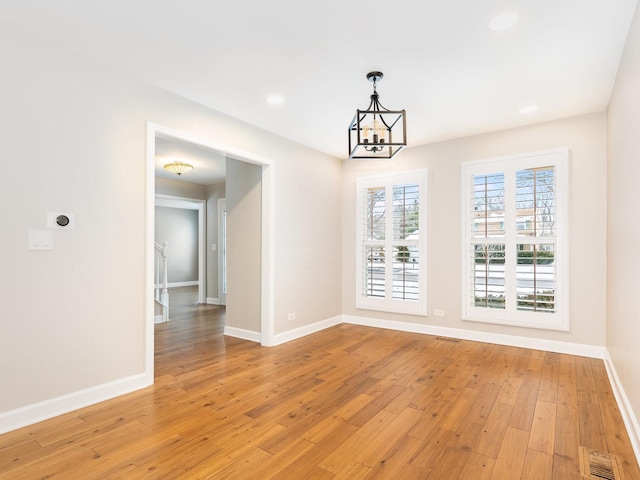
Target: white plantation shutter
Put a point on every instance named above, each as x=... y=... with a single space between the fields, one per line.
x=514 y=240
x=373 y=225
x=406 y=235
x=535 y=221
x=487 y=244
x=391 y=219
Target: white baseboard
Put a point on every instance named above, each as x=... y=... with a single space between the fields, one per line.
x=212 y=301
x=306 y=330
x=582 y=350
x=242 y=333
x=628 y=416
x=30 y=414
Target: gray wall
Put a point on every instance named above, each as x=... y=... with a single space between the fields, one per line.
x=179 y=228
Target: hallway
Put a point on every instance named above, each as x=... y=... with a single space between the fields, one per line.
x=192 y=326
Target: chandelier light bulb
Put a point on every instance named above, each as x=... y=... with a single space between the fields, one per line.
x=378 y=131
x=366 y=130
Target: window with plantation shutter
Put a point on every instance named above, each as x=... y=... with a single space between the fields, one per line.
x=391 y=214
x=514 y=249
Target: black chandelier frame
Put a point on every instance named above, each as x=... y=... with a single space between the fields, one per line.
x=378 y=147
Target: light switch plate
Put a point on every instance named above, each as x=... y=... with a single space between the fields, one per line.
x=40 y=240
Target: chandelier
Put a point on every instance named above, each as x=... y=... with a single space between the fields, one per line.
x=178 y=167
x=377 y=132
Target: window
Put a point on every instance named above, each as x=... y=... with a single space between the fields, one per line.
x=391 y=243
x=514 y=247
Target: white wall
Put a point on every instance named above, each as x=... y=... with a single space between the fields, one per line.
x=75 y=138
x=623 y=227
x=586 y=138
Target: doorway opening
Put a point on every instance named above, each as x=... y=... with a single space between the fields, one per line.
x=187 y=244
x=265 y=335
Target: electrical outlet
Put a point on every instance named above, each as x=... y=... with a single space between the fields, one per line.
x=438 y=313
x=291 y=317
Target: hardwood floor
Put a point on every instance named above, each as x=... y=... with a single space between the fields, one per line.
x=349 y=402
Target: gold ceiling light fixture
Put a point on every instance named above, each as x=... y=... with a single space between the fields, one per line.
x=377 y=132
x=178 y=167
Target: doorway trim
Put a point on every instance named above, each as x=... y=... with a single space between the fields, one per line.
x=222 y=251
x=267 y=236
x=171 y=201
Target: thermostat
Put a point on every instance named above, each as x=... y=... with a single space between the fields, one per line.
x=66 y=221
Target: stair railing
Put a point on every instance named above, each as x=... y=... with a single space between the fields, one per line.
x=161 y=290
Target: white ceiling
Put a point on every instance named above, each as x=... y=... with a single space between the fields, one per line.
x=442 y=64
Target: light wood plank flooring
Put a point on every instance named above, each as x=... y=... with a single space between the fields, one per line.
x=347 y=403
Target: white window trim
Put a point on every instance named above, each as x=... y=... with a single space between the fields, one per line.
x=390 y=304
x=559 y=320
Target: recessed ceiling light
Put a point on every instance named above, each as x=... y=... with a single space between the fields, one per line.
x=504 y=21
x=529 y=109
x=275 y=99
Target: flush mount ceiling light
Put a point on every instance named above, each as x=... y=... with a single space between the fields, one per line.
x=504 y=21
x=178 y=167
x=377 y=132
